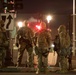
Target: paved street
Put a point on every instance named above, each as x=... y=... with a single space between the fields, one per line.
x=25 y=57
x=12 y=70
x=32 y=73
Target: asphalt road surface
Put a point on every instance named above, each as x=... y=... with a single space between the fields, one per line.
x=33 y=73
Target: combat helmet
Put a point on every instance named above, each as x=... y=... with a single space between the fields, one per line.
x=25 y=23
x=43 y=25
x=62 y=28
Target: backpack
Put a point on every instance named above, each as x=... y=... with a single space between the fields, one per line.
x=44 y=38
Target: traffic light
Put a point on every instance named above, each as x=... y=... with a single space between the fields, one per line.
x=18 y=4
x=4 y=4
x=10 y=6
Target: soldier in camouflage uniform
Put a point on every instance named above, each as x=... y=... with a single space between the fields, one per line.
x=57 y=48
x=24 y=41
x=42 y=42
x=64 y=47
x=3 y=43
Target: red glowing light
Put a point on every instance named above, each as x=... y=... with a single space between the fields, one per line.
x=38 y=27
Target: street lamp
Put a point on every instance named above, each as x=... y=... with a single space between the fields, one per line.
x=20 y=24
x=49 y=18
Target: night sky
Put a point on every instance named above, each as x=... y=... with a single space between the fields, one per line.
x=59 y=9
x=42 y=6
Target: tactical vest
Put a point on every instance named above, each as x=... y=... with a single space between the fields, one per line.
x=42 y=39
x=25 y=35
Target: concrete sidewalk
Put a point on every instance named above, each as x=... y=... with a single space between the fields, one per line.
x=74 y=62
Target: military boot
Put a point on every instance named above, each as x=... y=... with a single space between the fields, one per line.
x=37 y=70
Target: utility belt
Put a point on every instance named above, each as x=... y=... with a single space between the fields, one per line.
x=27 y=41
x=44 y=52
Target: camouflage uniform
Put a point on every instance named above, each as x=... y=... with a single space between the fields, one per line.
x=3 y=43
x=64 y=45
x=70 y=57
x=57 y=48
x=24 y=40
x=43 y=42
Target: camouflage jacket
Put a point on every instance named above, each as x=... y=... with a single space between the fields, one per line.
x=3 y=38
x=43 y=39
x=64 y=40
x=23 y=34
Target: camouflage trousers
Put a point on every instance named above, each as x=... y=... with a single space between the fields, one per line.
x=20 y=55
x=42 y=60
x=63 y=63
x=42 y=63
x=2 y=57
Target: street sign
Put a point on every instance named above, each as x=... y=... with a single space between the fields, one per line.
x=9 y=20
